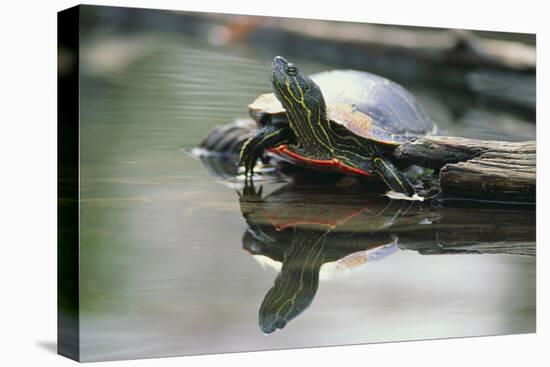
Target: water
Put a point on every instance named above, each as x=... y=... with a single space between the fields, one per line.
x=174 y=261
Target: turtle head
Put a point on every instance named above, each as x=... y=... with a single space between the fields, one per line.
x=295 y=90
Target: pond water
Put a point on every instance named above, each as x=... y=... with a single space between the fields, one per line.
x=175 y=262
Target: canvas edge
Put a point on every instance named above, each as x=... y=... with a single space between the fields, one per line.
x=68 y=131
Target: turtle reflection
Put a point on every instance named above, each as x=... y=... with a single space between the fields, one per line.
x=304 y=227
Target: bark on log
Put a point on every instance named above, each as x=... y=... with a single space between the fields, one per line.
x=477 y=169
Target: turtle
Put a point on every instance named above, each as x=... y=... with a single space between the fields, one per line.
x=342 y=120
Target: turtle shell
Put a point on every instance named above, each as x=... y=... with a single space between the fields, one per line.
x=366 y=104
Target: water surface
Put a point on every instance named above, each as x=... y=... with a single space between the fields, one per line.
x=174 y=261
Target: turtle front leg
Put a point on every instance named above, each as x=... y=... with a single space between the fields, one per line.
x=392 y=176
x=267 y=137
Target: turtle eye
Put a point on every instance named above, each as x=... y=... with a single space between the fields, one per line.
x=291 y=70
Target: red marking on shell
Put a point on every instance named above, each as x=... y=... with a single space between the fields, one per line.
x=332 y=164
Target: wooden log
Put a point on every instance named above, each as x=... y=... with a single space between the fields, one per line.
x=477 y=169
x=501 y=71
x=455 y=46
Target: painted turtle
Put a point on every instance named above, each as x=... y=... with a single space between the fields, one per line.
x=342 y=120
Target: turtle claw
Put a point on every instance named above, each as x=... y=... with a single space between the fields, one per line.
x=249 y=165
x=252 y=150
x=250 y=153
x=393 y=177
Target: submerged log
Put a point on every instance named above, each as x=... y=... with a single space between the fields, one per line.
x=477 y=169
